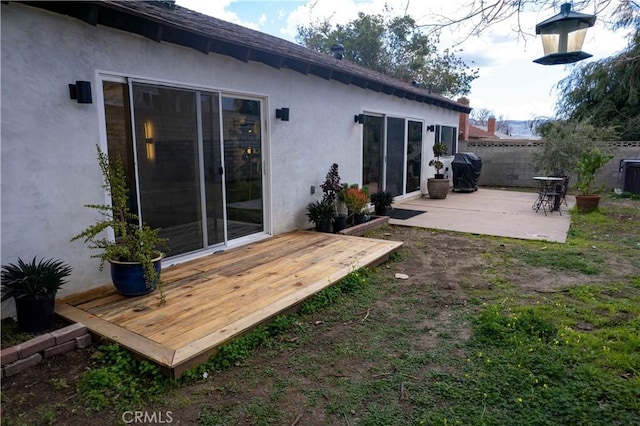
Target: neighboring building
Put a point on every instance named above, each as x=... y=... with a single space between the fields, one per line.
x=196 y=108
x=476 y=132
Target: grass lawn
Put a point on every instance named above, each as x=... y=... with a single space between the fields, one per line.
x=486 y=331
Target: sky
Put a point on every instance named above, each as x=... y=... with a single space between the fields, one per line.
x=510 y=84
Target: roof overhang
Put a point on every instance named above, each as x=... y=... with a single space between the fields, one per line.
x=153 y=20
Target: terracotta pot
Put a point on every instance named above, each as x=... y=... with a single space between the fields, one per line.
x=587 y=203
x=438 y=188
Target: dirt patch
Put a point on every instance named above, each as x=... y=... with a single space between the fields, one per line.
x=450 y=275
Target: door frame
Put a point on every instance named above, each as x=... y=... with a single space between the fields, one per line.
x=384 y=147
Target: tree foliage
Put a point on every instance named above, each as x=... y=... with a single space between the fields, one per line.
x=475 y=16
x=565 y=141
x=395 y=46
x=607 y=92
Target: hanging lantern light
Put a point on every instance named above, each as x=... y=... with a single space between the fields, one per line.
x=563 y=36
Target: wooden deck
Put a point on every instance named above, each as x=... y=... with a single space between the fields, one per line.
x=220 y=296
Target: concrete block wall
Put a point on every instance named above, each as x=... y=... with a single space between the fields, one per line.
x=27 y=354
x=508 y=162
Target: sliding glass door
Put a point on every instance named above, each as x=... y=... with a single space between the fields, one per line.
x=373 y=152
x=167 y=143
x=243 y=165
x=394 y=178
x=414 y=155
x=392 y=154
x=193 y=160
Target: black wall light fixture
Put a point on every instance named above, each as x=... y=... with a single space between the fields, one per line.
x=358 y=118
x=81 y=91
x=282 y=114
x=431 y=128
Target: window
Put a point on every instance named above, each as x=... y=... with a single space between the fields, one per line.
x=449 y=136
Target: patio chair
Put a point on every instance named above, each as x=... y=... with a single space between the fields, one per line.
x=550 y=195
x=563 y=188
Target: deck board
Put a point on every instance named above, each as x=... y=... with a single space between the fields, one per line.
x=217 y=297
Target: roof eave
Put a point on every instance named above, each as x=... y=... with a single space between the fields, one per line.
x=122 y=16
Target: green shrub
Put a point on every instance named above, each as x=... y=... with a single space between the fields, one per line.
x=119 y=381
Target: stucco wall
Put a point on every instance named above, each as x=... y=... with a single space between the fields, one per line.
x=506 y=163
x=49 y=170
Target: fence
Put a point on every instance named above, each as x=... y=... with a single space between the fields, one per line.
x=508 y=162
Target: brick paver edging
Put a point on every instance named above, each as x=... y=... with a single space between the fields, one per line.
x=20 y=357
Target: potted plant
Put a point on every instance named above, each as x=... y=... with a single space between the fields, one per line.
x=321 y=213
x=332 y=189
x=586 y=168
x=33 y=286
x=356 y=200
x=342 y=211
x=135 y=255
x=438 y=186
x=381 y=201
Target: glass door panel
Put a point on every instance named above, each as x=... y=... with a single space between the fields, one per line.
x=212 y=167
x=414 y=155
x=395 y=156
x=372 y=154
x=242 y=137
x=166 y=131
x=119 y=140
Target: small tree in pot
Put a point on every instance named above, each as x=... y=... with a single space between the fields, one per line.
x=586 y=168
x=439 y=149
x=135 y=253
x=438 y=186
x=331 y=186
x=333 y=189
x=33 y=286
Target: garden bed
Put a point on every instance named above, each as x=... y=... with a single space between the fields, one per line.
x=374 y=223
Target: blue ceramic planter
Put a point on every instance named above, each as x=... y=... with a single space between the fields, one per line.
x=128 y=277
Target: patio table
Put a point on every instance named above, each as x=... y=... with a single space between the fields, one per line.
x=550 y=192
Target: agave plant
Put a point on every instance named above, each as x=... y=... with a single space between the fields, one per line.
x=36 y=279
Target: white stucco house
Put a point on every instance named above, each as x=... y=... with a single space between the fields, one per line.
x=196 y=107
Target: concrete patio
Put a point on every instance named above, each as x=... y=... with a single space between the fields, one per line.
x=489 y=212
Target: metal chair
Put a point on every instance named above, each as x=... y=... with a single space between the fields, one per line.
x=550 y=195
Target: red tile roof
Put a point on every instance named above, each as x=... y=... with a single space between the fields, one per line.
x=478 y=133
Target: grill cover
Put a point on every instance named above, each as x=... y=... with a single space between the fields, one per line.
x=466 y=168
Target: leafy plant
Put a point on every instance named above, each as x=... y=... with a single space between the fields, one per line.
x=356 y=199
x=341 y=205
x=133 y=243
x=587 y=167
x=331 y=186
x=320 y=211
x=117 y=380
x=382 y=199
x=35 y=279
